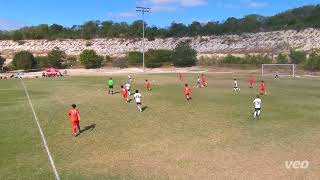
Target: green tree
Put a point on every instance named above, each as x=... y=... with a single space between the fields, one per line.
x=89 y=30
x=23 y=60
x=298 y=56
x=313 y=62
x=90 y=59
x=56 y=57
x=157 y=58
x=184 y=55
x=134 y=58
x=2 y=60
x=42 y=61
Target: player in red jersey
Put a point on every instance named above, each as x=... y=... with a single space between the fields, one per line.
x=181 y=76
x=124 y=94
x=187 y=92
x=75 y=119
x=251 y=81
x=147 y=85
x=262 y=88
x=203 y=80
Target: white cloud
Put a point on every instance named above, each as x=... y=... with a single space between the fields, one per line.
x=171 y=5
x=6 y=24
x=257 y=4
x=227 y=5
x=127 y=14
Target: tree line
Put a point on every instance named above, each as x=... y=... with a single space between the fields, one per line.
x=310 y=62
x=299 y=18
x=182 y=56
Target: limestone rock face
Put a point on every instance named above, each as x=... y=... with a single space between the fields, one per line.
x=264 y=42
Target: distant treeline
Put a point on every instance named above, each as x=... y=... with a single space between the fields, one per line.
x=299 y=18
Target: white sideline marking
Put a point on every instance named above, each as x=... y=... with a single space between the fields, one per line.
x=41 y=133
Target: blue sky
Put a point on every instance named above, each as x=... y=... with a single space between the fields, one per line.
x=17 y=13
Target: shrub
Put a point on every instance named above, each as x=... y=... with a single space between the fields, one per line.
x=232 y=60
x=42 y=61
x=90 y=59
x=134 y=58
x=207 y=61
x=2 y=60
x=297 y=56
x=313 y=62
x=23 y=60
x=282 y=59
x=157 y=58
x=56 y=57
x=184 y=55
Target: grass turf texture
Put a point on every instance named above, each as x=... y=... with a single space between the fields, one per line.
x=213 y=136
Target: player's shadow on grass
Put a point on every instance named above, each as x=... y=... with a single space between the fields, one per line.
x=87 y=128
x=144 y=108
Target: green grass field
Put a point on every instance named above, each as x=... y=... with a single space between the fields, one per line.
x=212 y=137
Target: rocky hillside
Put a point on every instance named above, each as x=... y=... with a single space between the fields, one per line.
x=264 y=42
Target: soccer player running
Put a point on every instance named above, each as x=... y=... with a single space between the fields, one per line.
x=147 y=85
x=251 y=81
x=204 y=81
x=257 y=107
x=235 y=85
x=187 y=92
x=198 y=83
x=129 y=78
x=262 y=88
x=111 y=83
x=75 y=119
x=124 y=94
x=128 y=86
x=137 y=97
x=277 y=75
x=181 y=76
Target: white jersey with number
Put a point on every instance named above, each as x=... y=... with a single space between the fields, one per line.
x=137 y=97
x=257 y=103
x=128 y=86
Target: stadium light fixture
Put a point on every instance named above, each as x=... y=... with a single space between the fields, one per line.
x=143 y=10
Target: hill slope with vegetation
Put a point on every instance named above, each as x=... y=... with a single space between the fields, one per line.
x=294 y=19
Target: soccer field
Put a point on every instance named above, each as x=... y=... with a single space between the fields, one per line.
x=213 y=136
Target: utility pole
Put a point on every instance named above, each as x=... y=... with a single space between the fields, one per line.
x=143 y=10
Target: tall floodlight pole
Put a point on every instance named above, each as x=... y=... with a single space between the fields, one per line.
x=143 y=10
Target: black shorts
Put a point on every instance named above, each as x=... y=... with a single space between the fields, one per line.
x=235 y=87
x=138 y=103
x=110 y=86
x=257 y=109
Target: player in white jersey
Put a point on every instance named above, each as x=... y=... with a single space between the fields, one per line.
x=128 y=86
x=129 y=78
x=199 y=83
x=137 y=97
x=235 y=85
x=257 y=107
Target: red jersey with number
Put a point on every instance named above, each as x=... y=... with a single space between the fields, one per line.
x=74 y=114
